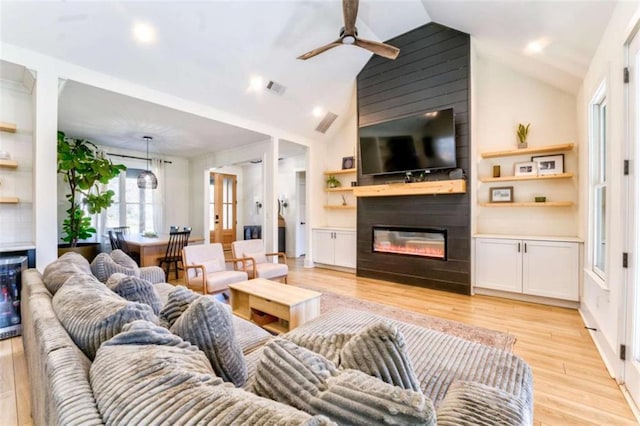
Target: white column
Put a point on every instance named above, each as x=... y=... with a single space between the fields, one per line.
x=45 y=195
x=270 y=170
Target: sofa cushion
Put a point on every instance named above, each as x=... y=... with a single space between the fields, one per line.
x=146 y=375
x=208 y=324
x=218 y=281
x=103 y=266
x=123 y=259
x=470 y=403
x=135 y=289
x=379 y=350
x=58 y=271
x=272 y=270
x=178 y=301
x=92 y=314
x=303 y=379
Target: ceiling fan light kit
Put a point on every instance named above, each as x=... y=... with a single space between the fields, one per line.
x=349 y=36
x=147 y=179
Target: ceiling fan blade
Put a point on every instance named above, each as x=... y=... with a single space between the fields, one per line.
x=314 y=52
x=349 y=13
x=385 y=50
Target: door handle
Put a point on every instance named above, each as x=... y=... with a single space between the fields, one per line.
x=518 y=247
x=303 y=223
x=525 y=247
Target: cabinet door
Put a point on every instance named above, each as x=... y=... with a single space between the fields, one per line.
x=551 y=269
x=499 y=264
x=323 y=246
x=345 y=248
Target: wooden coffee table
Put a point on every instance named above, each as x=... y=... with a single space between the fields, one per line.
x=289 y=306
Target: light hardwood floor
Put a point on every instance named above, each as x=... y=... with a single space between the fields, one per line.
x=571 y=383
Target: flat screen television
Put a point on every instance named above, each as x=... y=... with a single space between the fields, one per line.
x=420 y=142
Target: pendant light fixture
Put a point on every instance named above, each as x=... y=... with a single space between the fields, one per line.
x=146 y=179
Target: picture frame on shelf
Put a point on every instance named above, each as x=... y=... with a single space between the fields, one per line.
x=549 y=164
x=527 y=168
x=348 y=163
x=502 y=194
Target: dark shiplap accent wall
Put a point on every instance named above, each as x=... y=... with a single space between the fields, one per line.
x=431 y=73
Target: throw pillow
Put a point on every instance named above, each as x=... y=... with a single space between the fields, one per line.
x=92 y=314
x=258 y=256
x=123 y=259
x=58 y=272
x=103 y=266
x=303 y=379
x=208 y=324
x=177 y=302
x=379 y=350
x=135 y=290
x=471 y=403
x=146 y=375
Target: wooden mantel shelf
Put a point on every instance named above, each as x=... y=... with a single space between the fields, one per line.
x=7 y=127
x=458 y=186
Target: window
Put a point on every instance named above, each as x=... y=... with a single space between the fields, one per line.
x=132 y=207
x=598 y=182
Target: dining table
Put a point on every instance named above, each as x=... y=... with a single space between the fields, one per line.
x=153 y=248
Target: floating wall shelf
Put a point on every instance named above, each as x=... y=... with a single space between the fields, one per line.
x=339 y=189
x=339 y=207
x=9 y=200
x=525 y=151
x=7 y=127
x=531 y=204
x=458 y=186
x=340 y=172
x=520 y=178
x=10 y=164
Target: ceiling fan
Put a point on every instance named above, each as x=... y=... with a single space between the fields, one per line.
x=349 y=35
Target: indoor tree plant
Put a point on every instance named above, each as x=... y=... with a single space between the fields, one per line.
x=83 y=168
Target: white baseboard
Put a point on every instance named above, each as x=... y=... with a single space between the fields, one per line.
x=607 y=353
x=526 y=298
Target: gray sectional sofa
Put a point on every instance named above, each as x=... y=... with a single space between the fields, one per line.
x=142 y=373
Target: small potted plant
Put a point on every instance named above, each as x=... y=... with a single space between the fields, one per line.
x=333 y=182
x=522 y=133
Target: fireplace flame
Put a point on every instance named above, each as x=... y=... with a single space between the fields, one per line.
x=415 y=248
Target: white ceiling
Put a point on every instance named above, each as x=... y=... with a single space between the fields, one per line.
x=207 y=51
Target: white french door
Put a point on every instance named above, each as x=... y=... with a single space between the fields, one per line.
x=632 y=245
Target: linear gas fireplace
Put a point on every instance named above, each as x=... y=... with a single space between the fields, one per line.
x=425 y=242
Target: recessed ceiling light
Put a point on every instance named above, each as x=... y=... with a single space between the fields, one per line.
x=318 y=112
x=256 y=83
x=144 y=32
x=536 y=46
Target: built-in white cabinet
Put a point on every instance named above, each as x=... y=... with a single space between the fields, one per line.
x=334 y=247
x=528 y=266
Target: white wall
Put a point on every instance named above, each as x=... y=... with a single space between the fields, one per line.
x=253 y=190
x=343 y=143
x=503 y=98
x=16 y=220
x=602 y=308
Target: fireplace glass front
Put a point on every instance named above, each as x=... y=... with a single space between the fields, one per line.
x=425 y=242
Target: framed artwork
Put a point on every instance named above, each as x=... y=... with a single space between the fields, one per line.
x=529 y=168
x=348 y=163
x=549 y=164
x=503 y=194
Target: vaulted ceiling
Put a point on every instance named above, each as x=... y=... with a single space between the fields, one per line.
x=208 y=51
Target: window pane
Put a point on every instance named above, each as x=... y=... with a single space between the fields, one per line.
x=600 y=240
x=133 y=192
x=603 y=142
x=133 y=216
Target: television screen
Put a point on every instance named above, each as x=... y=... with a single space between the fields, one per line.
x=420 y=142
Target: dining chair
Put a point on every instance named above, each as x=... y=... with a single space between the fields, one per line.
x=122 y=245
x=113 y=240
x=174 y=228
x=123 y=229
x=173 y=255
x=257 y=263
x=207 y=270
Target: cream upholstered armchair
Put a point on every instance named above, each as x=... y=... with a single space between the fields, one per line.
x=207 y=270
x=257 y=264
